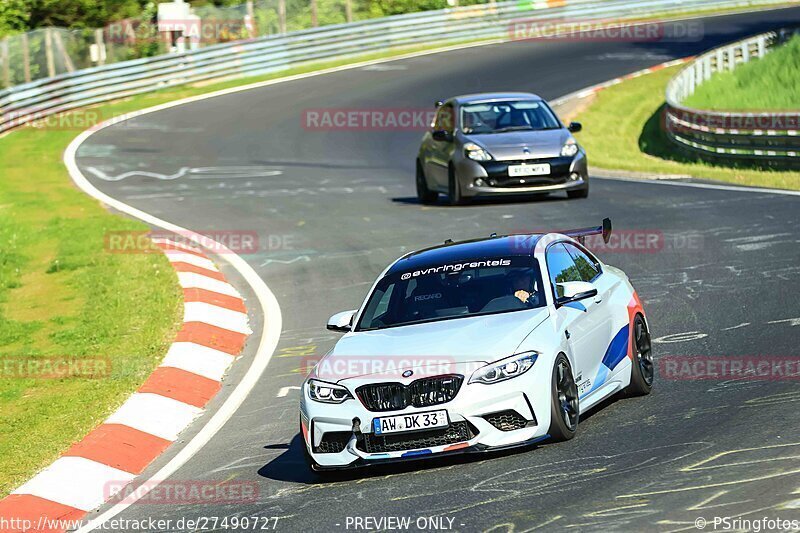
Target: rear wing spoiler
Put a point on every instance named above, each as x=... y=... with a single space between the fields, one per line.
x=581 y=234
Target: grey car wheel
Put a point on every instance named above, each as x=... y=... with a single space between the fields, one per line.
x=579 y=193
x=424 y=194
x=565 y=408
x=454 y=189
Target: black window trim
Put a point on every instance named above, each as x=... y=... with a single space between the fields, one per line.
x=590 y=255
x=581 y=248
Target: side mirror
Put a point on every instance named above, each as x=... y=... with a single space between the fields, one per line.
x=342 y=321
x=573 y=291
x=574 y=127
x=442 y=136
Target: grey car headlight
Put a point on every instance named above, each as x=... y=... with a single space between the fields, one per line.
x=569 y=149
x=507 y=368
x=322 y=391
x=476 y=152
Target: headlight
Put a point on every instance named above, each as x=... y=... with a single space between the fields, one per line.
x=507 y=368
x=324 y=392
x=476 y=153
x=569 y=149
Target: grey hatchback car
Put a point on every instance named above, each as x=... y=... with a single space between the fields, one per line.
x=499 y=144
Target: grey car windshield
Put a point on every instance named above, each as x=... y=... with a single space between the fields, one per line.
x=499 y=117
x=455 y=290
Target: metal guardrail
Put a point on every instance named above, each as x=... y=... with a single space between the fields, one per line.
x=765 y=137
x=38 y=99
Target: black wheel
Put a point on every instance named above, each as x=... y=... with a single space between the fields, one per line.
x=579 y=193
x=643 y=369
x=424 y=194
x=564 y=407
x=454 y=190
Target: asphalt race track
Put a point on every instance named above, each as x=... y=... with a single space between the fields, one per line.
x=333 y=208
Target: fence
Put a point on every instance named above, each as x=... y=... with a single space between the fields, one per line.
x=47 y=52
x=29 y=101
x=731 y=136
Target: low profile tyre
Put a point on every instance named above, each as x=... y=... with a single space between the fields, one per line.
x=564 y=405
x=424 y=194
x=643 y=369
x=579 y=193
x=454 y=189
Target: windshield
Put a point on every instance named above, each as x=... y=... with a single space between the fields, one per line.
x=498 y=117
x=455 y=290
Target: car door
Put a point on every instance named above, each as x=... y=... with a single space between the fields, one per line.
x=439 y=152
x=585 y=324
x=591 y=271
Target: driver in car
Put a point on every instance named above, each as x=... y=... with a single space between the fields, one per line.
x=521 y=286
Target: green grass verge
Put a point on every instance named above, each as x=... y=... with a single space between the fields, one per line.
x=63 y=296
x=622 y=130
x=769 y=83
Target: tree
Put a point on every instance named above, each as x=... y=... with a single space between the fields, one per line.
x=14 y=16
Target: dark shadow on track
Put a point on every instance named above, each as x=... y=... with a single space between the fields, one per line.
x=597 y=408
x=291 y=465
x=483 y=201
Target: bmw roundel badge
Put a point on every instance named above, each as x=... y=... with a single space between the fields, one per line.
x=408 y=373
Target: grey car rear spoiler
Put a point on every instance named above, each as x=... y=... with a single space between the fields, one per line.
x=581 y=234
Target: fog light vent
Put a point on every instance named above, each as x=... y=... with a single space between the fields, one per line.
x=508 y=420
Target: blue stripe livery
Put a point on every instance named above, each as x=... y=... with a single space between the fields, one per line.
x=618 y=349
x=616 y=352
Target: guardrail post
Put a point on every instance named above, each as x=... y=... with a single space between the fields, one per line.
x=762 y=46
x=251 y=16
x=314 y=20
x=98 y=40
x=707 y=67
x=6 y=69
x=282 y=16
x=745 y=52
x=720 y=61
x=63 y=51
x=26 y=58
x=48 y=51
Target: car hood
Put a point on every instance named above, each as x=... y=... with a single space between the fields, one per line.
x=436 y=347
x=511 y=145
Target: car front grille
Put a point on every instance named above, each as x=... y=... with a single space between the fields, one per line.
x=423 y=392
x=508 y=420
x=455 y=432
x=497 y=173
x=333 y=442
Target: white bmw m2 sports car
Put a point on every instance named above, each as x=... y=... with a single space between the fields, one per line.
x=476 y=346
